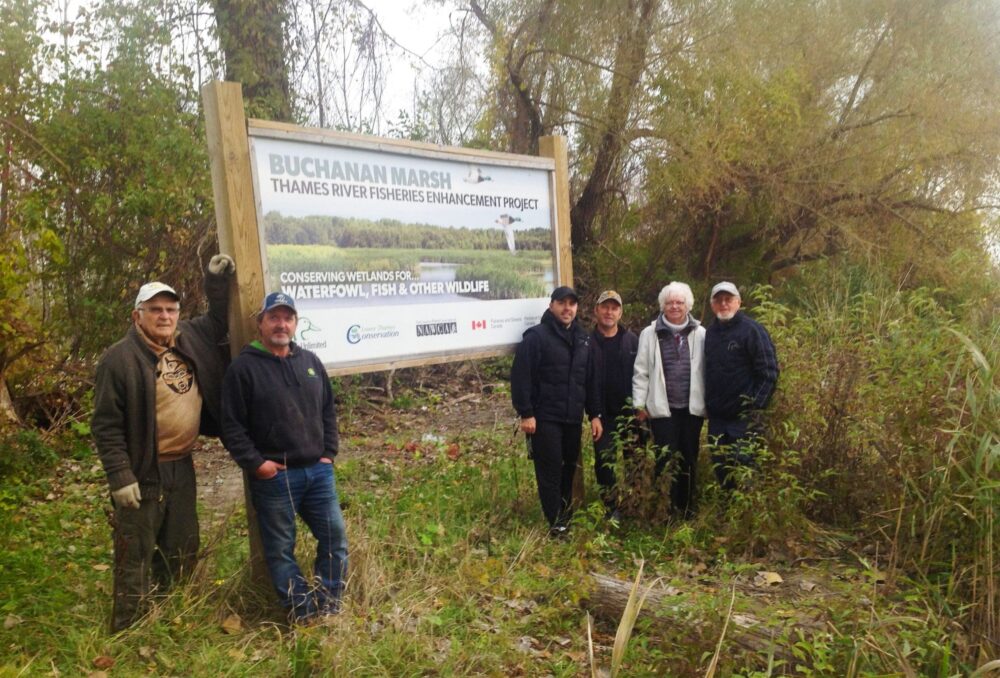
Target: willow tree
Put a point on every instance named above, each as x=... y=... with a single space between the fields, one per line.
x=792 y=132
x=578 y=68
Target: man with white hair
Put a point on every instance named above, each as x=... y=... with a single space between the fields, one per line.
x=668 y=389
x=741 y=372
x=154 y=392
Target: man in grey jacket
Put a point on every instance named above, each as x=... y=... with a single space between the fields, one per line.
x=155 y=391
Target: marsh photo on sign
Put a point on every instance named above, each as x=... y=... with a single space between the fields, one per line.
x=393 y=253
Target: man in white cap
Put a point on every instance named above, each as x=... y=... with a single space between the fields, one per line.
x=741 y=372
x=154 y=392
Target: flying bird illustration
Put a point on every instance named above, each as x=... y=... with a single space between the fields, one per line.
x=507 y=222
x=476 y=176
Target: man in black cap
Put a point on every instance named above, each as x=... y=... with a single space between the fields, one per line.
x=613 y=351
x=548 y=385
x=279 y=424
x=741 y=372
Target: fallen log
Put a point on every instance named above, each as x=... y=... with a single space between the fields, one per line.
x=667 y=606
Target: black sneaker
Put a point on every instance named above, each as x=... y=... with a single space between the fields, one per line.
x=559 y=532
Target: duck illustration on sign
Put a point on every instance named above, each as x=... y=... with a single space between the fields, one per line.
x=476 y=176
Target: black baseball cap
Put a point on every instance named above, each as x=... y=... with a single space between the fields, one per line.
x=561 y=293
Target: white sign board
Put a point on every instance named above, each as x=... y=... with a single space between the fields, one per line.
x=394 y=252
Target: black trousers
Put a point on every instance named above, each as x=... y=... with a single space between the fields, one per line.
x=624 y=429
x=679 y=437
x=555 y=449
x=732 y=443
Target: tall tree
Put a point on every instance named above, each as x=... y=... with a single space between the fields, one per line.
x=252 y=37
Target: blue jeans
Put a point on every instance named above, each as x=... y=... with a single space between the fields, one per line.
x=311 y=492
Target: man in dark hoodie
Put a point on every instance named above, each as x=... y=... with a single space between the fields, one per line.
x=741 y=372
x=154 y=392
x=613 y=351
x=548 y=385
x=279 y=424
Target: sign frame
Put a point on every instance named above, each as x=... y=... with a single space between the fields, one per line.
x=238 y=206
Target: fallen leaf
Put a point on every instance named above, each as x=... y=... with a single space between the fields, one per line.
x=526 y=643
x=561 y=641
x=232 y=624
x=11 y=621
x=102 y=567
x=765 y=579
x=103 y=662
x=453 y=452
x=147 y=653
x=807 y=585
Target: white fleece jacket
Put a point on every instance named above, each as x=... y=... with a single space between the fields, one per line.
x=649 y=387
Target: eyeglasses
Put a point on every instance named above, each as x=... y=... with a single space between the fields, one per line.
x=161 y=310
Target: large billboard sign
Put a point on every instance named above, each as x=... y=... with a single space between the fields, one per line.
x=396 y=251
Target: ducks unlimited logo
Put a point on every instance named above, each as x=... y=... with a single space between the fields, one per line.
x=309 y=334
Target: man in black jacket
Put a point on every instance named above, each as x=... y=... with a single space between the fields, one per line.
x=154 y=392
x=613 y=351
x=279 y=424
x=741 y=371
x=548 y=385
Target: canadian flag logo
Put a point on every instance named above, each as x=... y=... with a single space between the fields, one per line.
x=479 y=324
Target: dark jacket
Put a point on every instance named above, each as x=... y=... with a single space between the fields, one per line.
x=741 y=369
x=278 y=409
x=598 y=405
x=124 y=420
x=548 y=380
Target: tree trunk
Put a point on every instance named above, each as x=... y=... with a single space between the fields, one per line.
x=630 y=63
x=252 y=36
x=8 y=415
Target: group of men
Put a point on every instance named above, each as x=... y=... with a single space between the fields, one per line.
x=672 y=376
x=165 y=383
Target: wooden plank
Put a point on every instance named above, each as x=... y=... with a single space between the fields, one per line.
x=437 y=359
x=236 y=219
x=287 y=132
x=235 y=207
x=555 y=147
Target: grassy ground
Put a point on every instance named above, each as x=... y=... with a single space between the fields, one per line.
x=452 y=574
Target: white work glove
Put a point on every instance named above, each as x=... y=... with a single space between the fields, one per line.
x=221 y=264
x=127 y=497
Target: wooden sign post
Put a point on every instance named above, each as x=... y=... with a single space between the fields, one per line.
x=236 y=219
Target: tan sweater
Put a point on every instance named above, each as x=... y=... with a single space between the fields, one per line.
x=178 y=402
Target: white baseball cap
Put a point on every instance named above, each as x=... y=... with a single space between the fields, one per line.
x=725 y=287
x=150 y=290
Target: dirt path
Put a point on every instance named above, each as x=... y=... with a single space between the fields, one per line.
x=456 y=406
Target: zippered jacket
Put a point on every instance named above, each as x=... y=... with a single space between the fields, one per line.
x=124 y=419
x=649 y=385
x=741 y=368
x=551 y=371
